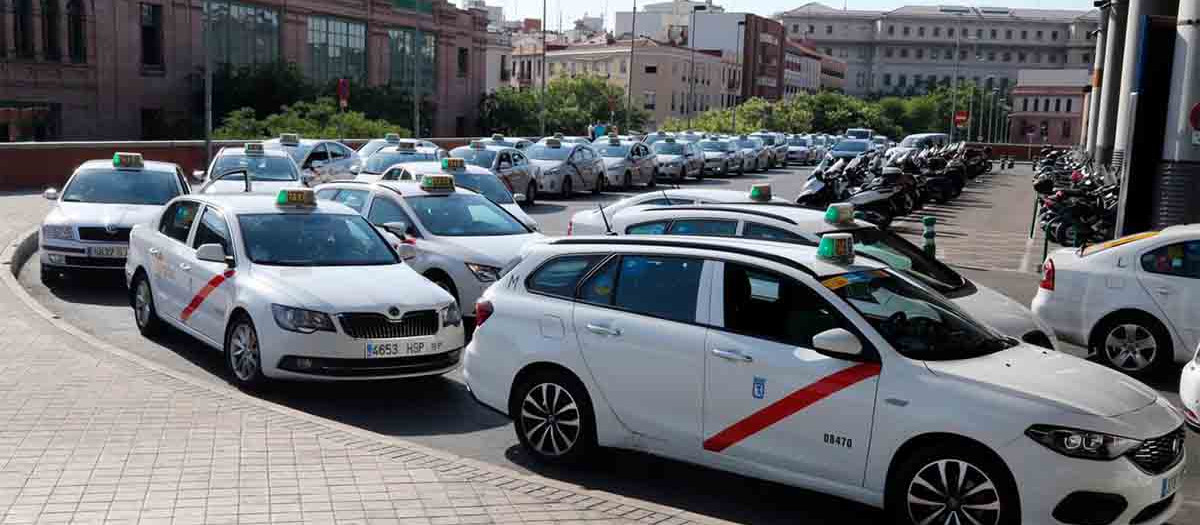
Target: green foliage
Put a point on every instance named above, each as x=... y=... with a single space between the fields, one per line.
x=571 y=105
x=310 y=119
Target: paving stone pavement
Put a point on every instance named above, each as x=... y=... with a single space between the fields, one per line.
x=91 y=434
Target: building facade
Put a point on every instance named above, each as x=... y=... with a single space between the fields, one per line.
x=907 y=49
x=1048 y=106
x=130 y=69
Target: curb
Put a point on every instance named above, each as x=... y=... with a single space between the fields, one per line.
x=18 y=253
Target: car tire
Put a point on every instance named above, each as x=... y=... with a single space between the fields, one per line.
x=567 y=438
x=51 y=276
x=1134 y=343
x=444 y=282
x=653 y=179
x=600 y=183
x=243 y=353
x=627 y=183
x=145 y=314
x=700 y=175
x=531 y=194
x=741 y=169
x=566 y=190
x=952 y=478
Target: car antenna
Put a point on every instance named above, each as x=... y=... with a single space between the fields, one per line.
x=246 y=177
x=664 y=192
x=607 y=226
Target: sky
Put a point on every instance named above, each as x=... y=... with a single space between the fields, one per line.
x=573 y=9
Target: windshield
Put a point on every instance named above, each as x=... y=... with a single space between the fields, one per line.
x=651 y=139
x=260 y=168
x=383 y=160
x=748 y=144
x=709 y=145
x=297 y=153
x=798 y=142
x=766 y=139
x=917 y=322
x=858 y=133
x=475 y=157
x=371 y=147
x=896 y=252
x=464 y=215
x=913 y=141
x=851 y=145
x=487 y=184
x=317 y=239
x=668 y=148
x=611 y=151
x=112 y=186
x=543 y=152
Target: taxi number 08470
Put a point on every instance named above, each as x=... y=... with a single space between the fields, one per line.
x=403 y=348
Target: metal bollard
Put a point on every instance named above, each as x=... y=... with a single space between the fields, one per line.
x=930 y=234
x=1033 y=221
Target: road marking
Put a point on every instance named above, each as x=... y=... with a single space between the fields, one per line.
x=792 y=403
x=203 y=294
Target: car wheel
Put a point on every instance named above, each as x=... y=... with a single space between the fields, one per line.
x=566 y=191
x=553 y=418
x=653 y=179
x=51 y=276
x=700 y=175
x=741 y=168
x=678 y=176
x=599 y=187
x=1134 y=343
x=243 y=354
x=531 y=194
x=627 y=184
x=144 y=312
x=446 y=284
x=952 y=484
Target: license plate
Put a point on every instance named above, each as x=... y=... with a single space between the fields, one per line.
x=380 y=350
x=110 y=252
x=1170 y=484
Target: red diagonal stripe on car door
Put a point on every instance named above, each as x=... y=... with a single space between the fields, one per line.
x=203 y=294
x=794 y=402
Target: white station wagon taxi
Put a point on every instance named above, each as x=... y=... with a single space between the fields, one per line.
x=289 y=288
x=804 y=366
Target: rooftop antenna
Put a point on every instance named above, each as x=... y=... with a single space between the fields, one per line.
x=607 y=226
x=664 y=192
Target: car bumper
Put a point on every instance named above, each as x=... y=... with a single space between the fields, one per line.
x=716 y=166
x=1045 y=479
x=669 y=171
x=1189 y=394
x=549 y=183
x=1063 y=316
x=76 y=255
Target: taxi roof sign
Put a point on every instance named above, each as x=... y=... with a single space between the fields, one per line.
x=296 y=197
x=839 y=212
x=392 y=138
x=558 y=135
x=436 y=182
x=837 y=248
x=253 y=148
x=406 y=146
x=553 y=143
x=670 y=139
x=452 y=164
x=614 y=141
x=289 y=139
x=760 y=192
x=497 y=137
x=478 y=144
x=127 y=160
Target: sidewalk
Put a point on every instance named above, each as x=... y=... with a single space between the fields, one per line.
x=92 y=434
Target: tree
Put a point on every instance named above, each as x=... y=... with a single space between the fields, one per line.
x=572 y=103
x=321 y=118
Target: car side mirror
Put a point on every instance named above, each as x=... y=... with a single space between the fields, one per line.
x=214 y=252
x=505 y=165
x=838 y=341
x=355 y=169
x=198 y=175
x=50 y=194
x=400 y=229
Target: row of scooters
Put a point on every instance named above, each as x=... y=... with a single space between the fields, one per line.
x=883 y=187
x=1077 y=199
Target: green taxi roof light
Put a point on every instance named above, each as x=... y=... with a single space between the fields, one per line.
x=836 y=248
x=125 y=160
x=839 y=212
x=296 y=196
x=760 y=192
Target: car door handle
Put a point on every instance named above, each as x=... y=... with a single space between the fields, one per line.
x=603 y=330
x=732 y=355
x=154 y=251
x=1163 y=290
x=185 y=267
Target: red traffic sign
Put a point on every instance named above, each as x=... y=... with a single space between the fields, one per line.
x=343 y=92
x=1195 y=117
x=961 y=117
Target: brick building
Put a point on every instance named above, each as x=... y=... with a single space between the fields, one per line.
x=132 y=69
x=1049 y=100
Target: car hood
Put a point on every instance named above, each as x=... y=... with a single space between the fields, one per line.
x=715 y=154
x=357 y=288
x=546 y=164
x=231 y=186
x=668 y=158
x=1059 y=379
x=1000 y=312
x=612 y=162
x=490 y=250
x=90 y=213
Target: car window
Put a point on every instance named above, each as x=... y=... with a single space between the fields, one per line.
x=648 y=228
x=663 y=287
x=600 y=287
x=318 y=239
x=212 y=230
x=663 y=201
x=384 y=210
x=703 y=227
x=560 y=276
x=336 y=152
x=754 y=230
x=1179 y=259
x=318 y=154
x=464 y=215
x=327 y=194
x=355 y=199
x=518 y=159
x=486 y=183
x=767 y=305
x=177 y=220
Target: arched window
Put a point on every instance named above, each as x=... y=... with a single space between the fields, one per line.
x=76 y=31
x=51 y=22
x=23 y=27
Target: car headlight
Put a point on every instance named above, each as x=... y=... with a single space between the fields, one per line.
x=451 y=315
x=60 y=232
x=1082 y=444
x=484 y=273
x=301 y=320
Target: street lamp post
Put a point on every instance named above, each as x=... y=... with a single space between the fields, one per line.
x=208 y=91
x=692 y=73
x=542 y=72
x=737 y=73
x=954 y=86
x=629 y=71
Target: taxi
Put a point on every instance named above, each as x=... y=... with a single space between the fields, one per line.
x=268 y=170
x=466 y=175
x=566 y=167
x=811 y=367
x=757 y=154
x=599 y=220
x=1132 y=302
x=393 y=139
x=566 y=139
x=678 y=159
x=319 y=160
x=762 y=220
x=506 y=162
x=289 y=288
x=627 y=162
x=462 y=239
x=498 y=139
x=88 y=225
x=374 y=165
x=722 y=157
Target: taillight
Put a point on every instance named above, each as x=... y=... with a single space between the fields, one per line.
x=1047 y=275
x=483 y=310
x=570 y=226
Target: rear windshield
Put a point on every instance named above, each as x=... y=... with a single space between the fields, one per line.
x=383 y=160
x=260 y=167
x=1097 y=248
x=475 y=157
x=668 y=148
x=487 y=184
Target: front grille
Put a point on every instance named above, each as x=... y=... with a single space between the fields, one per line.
x=90 y=233
x=392 y=366
x=1153 y=510
x=378 y=326
x=1158 y=455
x=94 y=263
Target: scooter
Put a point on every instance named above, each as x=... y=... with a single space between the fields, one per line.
x=825 y=186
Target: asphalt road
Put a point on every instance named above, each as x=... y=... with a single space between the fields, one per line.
x=439 y=412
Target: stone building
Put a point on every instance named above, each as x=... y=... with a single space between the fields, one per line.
x=1050 y=102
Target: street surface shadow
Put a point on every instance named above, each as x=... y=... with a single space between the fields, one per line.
x=103 y=288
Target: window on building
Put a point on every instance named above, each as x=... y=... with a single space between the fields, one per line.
x=948 y=54
x=648 y=100
x=651 y=70
x=1040 y=34
x=1058 y=105
x=937 y=31
x=829 y=51
x=51 y=21
x=243 y=34
x=1025 y=104
x=152 y=37
x=950 y=32
x=904 y=53
x=1053 y=58
x=995 y=34
x=1066 y=129
x=829 y=30
x=464 y=62
x=979 y=33
x=672 y=101
x=812 y=30
x=1008 y=34
x=1070 y=102
x=1085 y=58
x=887 y=79
x=1037 y=58
x=907 y=30
x=1007 y=56
x=1021 y=57
x=795 y=28
x=1054 y=35
x=23 y=28
x=921 y=31
x=991 y=56
x=920 y=53
x=76 y=32
x=888 y=52
x=891 y=30
x=962 y=54
x=903 y=81
x=337 y=48
x=1024 y=34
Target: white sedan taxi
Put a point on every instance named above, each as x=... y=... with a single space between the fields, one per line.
x=268 y=170
x=289 y=288
x=1132 y=302
x=466 y=175
x=1189 y=392
x=89 y=223
x=808 y=367
x=463 y=240
x=596 y=222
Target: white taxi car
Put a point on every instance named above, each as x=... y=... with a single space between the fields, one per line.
x=793 y=224
x=89 y=223
x=269 y=171
x=393 y=139
x=1189 y=392
x=319 y=160
x=593 y=221
x=289 y=288
x=462 y=238
x=466 y=175
x=797 y=365
x=383 y=158
x=1132 y=302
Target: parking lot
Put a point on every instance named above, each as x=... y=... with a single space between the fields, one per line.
x=984 y=232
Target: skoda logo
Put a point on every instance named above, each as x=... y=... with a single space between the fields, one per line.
x=393 y=311
x=110 y=228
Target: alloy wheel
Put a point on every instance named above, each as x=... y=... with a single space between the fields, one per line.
x=1130 y=347
x=244 y=352
x=550 y=419
x=952 y=491
x=142 y=303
